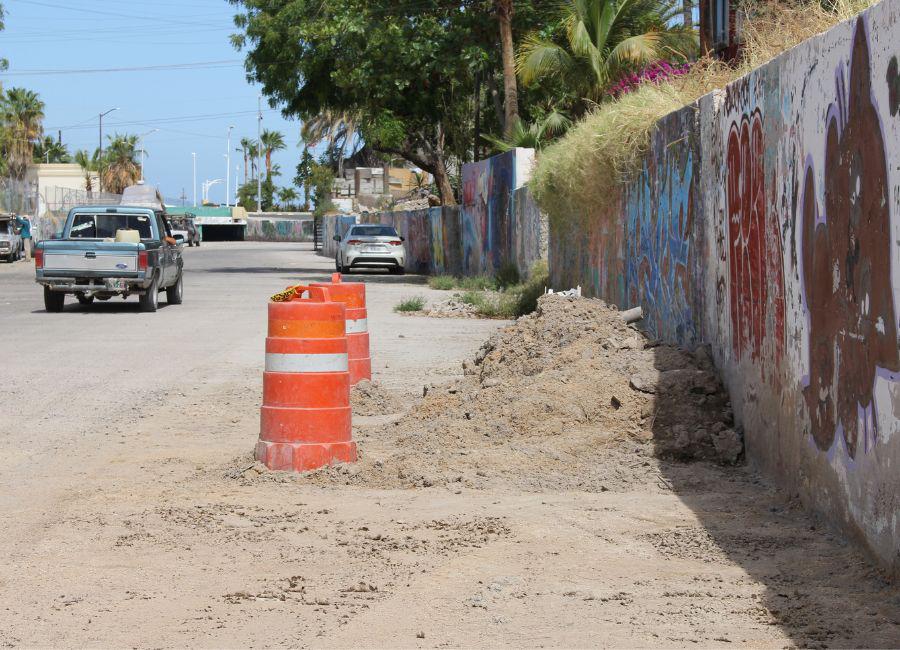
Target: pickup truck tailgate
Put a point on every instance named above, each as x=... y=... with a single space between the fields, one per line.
x=95 y=261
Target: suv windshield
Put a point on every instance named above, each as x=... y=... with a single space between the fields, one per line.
x=104 y=226
x=373 y=231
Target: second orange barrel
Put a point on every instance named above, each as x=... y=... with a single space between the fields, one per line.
x=305 y=417
x=353 y=295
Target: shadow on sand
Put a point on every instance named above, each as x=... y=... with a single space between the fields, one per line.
x=818 y=588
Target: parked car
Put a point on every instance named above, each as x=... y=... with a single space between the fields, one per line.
x=368 y=245
x=185 y=227
x=11 y=245
x=107 y=251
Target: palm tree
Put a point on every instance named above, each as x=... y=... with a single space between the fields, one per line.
x=271 y=141
x=120 y=166
x=603 y=39
x=22 y=113
x=504 y=11
x=535 y=135
x=338 y=128
x=89 y=165
x=248 y=148
x=287 y=196
x=50 y=151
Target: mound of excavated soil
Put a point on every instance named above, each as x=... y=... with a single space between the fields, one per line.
x=569 y=397
x=371 y=398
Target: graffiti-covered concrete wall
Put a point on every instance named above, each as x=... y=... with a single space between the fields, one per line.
x=766 y=222
x=331 y=226
x=498 y=223
x=278 y=229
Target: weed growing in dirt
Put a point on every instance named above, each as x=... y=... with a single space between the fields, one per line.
x=415 y=303
x=442 y=282
x=477 y=283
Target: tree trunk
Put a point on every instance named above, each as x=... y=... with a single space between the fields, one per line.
x=386 y=170
x=688 y=13
x=495 y=97
x=504 y=9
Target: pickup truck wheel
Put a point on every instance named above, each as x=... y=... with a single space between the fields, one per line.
x=175 y=293
x=84 y=300
x=54 y=300
x=150 y=300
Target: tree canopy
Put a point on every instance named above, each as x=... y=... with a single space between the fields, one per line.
x=409 y=71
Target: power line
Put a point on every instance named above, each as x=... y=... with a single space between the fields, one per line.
x=205 y=65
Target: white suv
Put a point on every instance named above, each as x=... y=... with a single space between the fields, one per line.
x=370 y=245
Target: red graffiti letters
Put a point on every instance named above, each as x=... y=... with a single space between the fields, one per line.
x=754 y=250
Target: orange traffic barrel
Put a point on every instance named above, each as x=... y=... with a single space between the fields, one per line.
x=305 y=416
x=353 y=295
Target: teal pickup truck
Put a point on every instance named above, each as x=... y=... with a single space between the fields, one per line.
x=105 y=251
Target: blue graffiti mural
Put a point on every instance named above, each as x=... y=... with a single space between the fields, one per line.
x=659 y=213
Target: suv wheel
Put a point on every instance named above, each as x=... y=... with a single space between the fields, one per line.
x=175 y=293
x=150 y=300
x=54 y=300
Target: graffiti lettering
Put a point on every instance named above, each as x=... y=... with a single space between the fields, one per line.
x=754 y=250
x=846 y=264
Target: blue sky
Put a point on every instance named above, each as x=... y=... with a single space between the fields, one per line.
x=191 y=107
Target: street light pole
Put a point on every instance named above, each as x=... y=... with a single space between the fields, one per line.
x=194 y=155
x=100 y=160
x=228 y=168
x=259 y=155
x=142 y=136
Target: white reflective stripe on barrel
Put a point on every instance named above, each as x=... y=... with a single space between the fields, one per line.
x=358 y=326
x=306 y=362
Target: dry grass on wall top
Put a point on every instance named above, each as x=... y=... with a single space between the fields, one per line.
x=579 y=175
x=585 y=168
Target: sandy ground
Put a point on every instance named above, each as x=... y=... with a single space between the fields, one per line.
x=129 y=518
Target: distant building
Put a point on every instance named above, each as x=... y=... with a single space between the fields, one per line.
x=60 y=186
x=369 y=181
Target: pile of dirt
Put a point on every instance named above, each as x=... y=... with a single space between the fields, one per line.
x=452 y=308
x=569 y=397
x=371 y=398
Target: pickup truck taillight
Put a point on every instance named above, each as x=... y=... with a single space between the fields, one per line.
x=396 y=243
x=142 y=260
x=39 y=258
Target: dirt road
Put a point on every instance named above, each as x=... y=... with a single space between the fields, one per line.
x=130 y=517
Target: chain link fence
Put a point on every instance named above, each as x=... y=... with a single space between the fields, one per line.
x=47 y=208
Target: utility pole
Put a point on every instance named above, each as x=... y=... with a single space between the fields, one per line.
x=142 y=136
x=194 y=155
x=259 y=154
x=100 y=161
x=228 y=167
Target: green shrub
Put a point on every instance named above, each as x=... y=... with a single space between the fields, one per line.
x=477 y=283
x=416 y=303
x=442 y=282
x=533 y=288
x=507 y=276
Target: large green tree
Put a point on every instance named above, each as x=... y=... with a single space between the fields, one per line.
x=407 y=69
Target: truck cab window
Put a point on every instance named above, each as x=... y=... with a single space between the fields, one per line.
x=83 y=227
